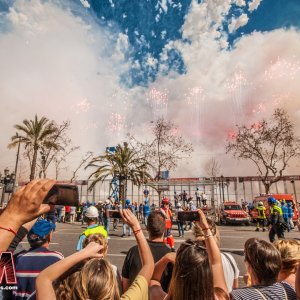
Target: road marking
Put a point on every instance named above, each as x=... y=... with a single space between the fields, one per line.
x=50 y=243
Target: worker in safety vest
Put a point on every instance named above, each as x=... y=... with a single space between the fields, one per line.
x=275 y=220
x=261 y=219
x=168 y=237
x=91 y=218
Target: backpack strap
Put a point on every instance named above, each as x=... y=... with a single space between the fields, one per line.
x=230 y=261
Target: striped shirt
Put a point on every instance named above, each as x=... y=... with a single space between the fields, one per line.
x=277 y=291
x=28 y=266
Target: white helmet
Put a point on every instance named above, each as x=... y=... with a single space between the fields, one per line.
x=191 y=203
x=179 y=204
x=260 y=203
x=92 y=212
x=107 y=201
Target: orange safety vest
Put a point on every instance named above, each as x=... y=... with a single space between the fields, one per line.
x=168 y=214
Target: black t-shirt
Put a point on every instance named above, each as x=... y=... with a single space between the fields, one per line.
x=132 y=263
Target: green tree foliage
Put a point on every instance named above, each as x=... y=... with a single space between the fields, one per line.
x=35 y=134
x=124 y=164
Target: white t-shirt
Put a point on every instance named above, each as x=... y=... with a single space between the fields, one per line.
x=231 y=270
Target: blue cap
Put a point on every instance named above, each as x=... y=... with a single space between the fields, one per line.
x=289 y=204
x=42 y=228
x=272 y=200
x=127 y=201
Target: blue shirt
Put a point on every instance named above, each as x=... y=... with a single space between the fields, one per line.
x=284 y=211
x=146 y=210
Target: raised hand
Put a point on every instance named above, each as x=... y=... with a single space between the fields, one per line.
x=26 y=204
x=130 y=219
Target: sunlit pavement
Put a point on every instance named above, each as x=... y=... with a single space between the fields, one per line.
x=232 y=240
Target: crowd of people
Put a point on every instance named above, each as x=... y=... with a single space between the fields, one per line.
x=152 y=268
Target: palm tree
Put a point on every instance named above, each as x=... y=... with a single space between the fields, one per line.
x=124 y=164
x=34 y=134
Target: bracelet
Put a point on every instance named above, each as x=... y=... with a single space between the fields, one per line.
x=9 y=229
x=208 y=236
x=137 y=231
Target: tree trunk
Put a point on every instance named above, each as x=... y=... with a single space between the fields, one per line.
x=33 y=165
x=121 y=192
x=159 y=198
x=267 y=187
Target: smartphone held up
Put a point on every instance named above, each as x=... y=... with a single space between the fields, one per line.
x=63 y=194
x=188 y=216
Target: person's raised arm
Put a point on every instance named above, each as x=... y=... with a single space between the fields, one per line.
x=297 y=283
x=160 y=267
x=144 y=249
x=214 y=254
x=44 y=287
x=24 y=206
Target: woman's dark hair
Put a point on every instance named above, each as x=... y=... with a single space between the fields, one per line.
x=192 y=277
x=264 y=259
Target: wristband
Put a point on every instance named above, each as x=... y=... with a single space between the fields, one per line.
x=137 y=231
x=9 y=229
x=208 y=236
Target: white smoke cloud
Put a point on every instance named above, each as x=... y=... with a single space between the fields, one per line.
x=253 y=5
x=241 y=85
x=85 y=3
x=51 y=64
x=236 y=23
x=240 y=3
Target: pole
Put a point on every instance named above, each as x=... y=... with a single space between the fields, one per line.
x=294 y=188
x=2 y=196
x=16 y=166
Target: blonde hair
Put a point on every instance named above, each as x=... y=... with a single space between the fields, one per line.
x=290 y=254
x=95 y=281
x=97 y=238
x=200 y=235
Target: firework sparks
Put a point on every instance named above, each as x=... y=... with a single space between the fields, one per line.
x=195 y=99
x=83 y=106
x=282 y=68
x=158 y=101
x=116 y=123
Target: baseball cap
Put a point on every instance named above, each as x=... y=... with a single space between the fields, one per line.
x=42 y=228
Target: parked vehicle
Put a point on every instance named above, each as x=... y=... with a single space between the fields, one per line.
x=280 y=197
x=232 y=213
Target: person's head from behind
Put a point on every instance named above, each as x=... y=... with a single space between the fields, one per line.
x=272 y=201
x=192 y=276
x=94 y=281
x=40 y=234
x=290 y=255
x=156 y=225
x=91 y=215
x=97 y=238
x=262 y=261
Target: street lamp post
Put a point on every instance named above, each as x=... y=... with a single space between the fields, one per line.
x=222 y=185
x=17 y=161
x=7 y=182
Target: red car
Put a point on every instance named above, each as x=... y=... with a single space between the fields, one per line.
x=232 y=213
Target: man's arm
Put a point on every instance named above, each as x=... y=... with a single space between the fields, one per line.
x=24 y=206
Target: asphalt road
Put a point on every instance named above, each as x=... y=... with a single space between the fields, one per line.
x=232 y=240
